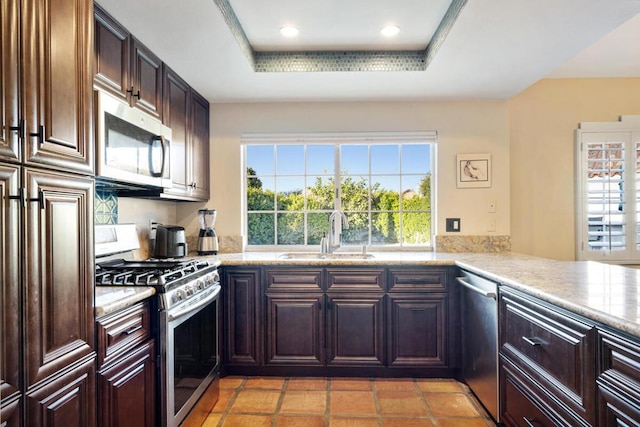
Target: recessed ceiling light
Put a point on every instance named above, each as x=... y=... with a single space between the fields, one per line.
x=390 y=30
x=289 y=31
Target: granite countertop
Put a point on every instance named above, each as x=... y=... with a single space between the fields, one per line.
x=110 y=299
x=607 y=294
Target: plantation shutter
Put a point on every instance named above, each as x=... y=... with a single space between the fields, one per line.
x=608 y=192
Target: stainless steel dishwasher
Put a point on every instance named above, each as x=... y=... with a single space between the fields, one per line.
x=479 y=298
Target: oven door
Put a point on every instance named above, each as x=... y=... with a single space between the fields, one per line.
x=189 y=355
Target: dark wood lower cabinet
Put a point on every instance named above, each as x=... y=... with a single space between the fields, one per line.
x=355 y=329
x=127 y=390
x=618 y=382
x=295 y=329
x=416 y=328
x=68 y=400
x=243 y=321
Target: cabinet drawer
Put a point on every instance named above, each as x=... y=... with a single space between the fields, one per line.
x=417 y=279
x=522 y=403
x=122 y=331
x=294 y=279
x=556 y=349
x=356 y=279
x=619 y=380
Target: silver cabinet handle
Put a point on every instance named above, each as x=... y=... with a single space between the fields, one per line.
x=533 y=341
x=529 y=421
x=486 y=294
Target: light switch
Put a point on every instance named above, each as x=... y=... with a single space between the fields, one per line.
x=453 y=225
x=492 y=207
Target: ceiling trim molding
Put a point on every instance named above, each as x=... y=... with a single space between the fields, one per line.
x=337 y=61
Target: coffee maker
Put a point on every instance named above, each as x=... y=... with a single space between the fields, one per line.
x=207 y=239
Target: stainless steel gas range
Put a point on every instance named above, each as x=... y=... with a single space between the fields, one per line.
x=186 y=320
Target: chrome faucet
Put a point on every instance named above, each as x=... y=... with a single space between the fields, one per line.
x=334 y=239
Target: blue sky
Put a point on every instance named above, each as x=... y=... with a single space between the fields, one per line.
x=385 y=160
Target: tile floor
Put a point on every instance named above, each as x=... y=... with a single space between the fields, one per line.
x=338 y=402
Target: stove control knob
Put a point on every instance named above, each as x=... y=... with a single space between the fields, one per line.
x=188 y=290
x=177 y=297
x=200 y=285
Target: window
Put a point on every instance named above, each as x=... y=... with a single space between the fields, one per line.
x=383 y=185
x=608 y=203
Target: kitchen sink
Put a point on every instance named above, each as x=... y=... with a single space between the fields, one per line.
x=318 y=255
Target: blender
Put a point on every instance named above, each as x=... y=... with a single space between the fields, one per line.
x=207 y=239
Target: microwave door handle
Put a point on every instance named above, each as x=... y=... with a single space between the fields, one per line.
x=164 y=156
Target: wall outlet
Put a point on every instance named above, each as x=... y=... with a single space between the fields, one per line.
x=491 y=225
x=153 y=225
x=453 y=225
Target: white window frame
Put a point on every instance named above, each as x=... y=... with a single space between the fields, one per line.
x=626 y=131
x=370 y=138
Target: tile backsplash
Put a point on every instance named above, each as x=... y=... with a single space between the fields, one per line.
x=106 y=207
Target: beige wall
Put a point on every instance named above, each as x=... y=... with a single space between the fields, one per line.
x=473 y=127
x=542 y=120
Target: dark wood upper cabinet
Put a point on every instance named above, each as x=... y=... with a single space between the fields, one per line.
x=59 y=272
x=125 y=67
x=198 y=147
x=146 y=79
x=177 y=102
x=56 y=82
x=10 y=120
x=45 y=78
x=187 y=114
x=111 y=55
x=10 y=319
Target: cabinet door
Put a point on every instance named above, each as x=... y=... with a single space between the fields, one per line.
x=9 y=80
x=243 y=313
x=417 y=332
x=57 y=75
x=126 y=391
x=615 y=408
x=198 y=147
x=355 y=329
x=68 y=400
x=10 y=319
x=59 y=272
x=295 y=329
x=146 y=77
x=111 y=53
x=176 y=114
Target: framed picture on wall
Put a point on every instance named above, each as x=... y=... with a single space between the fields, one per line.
x=474 y=170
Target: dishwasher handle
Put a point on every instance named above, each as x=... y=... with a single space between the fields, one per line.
x=486 y=294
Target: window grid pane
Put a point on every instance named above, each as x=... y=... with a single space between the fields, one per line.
x=384 y=207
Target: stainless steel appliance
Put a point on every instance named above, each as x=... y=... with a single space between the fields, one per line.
x=186 y=324
x=132 y=147
x=207 y=238
x=171 y=242
x=480 y=339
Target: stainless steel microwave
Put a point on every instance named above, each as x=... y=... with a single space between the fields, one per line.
x=132 y=147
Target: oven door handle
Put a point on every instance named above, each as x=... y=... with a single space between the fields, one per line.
x=173 y=316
